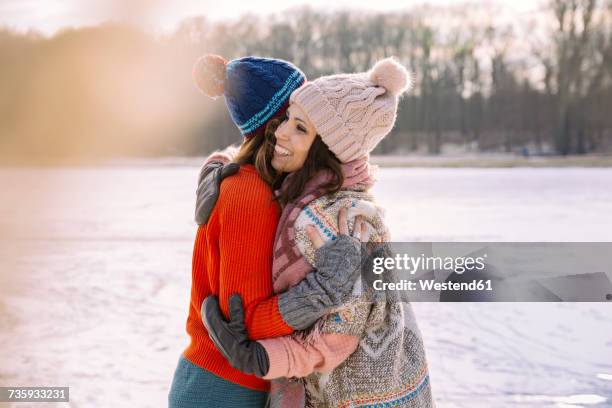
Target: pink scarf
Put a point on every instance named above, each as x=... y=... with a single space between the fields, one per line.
x=289 y=266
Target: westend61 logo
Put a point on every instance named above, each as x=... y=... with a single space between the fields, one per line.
x=411 y=264
x=490 y=271
x=405 y=263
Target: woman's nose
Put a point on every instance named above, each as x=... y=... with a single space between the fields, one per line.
x=280 y=132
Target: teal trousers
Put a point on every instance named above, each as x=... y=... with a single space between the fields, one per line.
x=194 y=387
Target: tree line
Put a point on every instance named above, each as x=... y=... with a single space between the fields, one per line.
x=539 y=82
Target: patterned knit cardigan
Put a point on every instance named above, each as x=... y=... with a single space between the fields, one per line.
x=389 y=367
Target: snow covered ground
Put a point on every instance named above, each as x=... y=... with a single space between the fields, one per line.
x=95 y=280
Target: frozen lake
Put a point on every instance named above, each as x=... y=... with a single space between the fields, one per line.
x=95 y=270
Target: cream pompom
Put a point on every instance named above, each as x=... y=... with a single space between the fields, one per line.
x=209 y=74
x=391 y=75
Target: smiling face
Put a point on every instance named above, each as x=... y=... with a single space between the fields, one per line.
x=294 y=136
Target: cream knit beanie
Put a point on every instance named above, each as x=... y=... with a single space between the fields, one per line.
x=353 y=112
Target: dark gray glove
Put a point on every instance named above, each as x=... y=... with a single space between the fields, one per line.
x=209 y=182
x=231 y=338
x=338 y=266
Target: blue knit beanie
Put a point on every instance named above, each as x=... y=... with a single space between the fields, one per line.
x=255 y=88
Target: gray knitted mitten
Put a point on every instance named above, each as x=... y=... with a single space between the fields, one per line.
x=338 y=265
x=209 y=183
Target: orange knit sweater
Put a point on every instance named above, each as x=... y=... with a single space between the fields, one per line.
x=233 y=254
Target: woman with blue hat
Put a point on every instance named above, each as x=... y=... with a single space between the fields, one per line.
x=234 y=243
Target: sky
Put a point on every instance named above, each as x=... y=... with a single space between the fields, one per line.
x=52 y=15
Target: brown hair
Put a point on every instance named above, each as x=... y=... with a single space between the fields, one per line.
x=259 y=149
x=319 y=158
